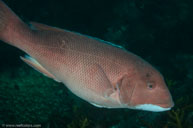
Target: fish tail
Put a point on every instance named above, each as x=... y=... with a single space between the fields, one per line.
x=11 y=27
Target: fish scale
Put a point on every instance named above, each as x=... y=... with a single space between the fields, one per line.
x=99 y=72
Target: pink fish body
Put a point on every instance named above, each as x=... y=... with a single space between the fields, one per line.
x=99 y=72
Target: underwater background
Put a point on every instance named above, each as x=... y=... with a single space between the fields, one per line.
x=160 y=31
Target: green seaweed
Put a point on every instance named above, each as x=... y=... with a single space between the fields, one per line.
x=82 y=122
x=29 y=97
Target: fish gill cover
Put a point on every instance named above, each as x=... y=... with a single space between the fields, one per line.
x=160 y=31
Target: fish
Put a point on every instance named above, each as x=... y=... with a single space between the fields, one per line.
x=102 y=73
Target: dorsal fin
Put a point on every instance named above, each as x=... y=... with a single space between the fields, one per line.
x=40 y=26
x=34 y=64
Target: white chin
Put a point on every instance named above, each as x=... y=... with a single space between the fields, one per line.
x=151 y=107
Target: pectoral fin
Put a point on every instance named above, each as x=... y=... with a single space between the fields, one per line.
x=99 y=81
x=33 y=63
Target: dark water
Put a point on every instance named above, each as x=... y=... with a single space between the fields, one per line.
x=160 y=31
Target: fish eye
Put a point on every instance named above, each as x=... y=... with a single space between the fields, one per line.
x=150 y=85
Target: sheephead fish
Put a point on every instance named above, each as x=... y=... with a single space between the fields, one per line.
x=101 y=73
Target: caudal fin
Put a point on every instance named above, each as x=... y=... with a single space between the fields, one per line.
x=11 y=27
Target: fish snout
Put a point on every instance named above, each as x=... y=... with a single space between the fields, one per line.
x=168 y=104
x=166 y=100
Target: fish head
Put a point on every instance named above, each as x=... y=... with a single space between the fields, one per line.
x=145 y=90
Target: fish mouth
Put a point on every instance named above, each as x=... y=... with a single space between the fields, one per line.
x=170 y=105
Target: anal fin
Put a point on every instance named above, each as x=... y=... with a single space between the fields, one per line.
x=37 y=66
